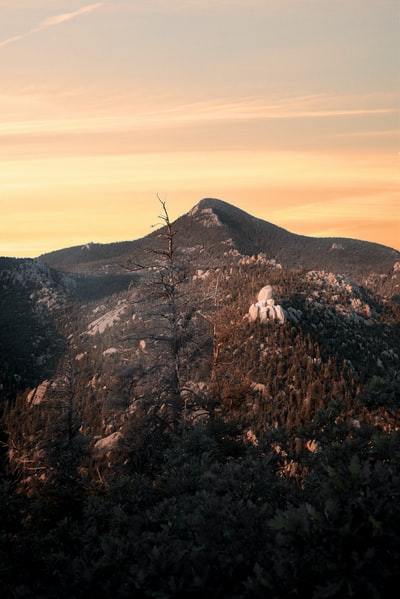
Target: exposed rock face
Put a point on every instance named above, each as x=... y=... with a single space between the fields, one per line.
x=37 y=395
x=205 y=216
x=266 y=294
x=47 y=289
x=107 y=444
x=341 y=296
x=108 y=319
x=265 y=308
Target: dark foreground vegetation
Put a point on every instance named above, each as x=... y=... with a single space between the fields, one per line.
x=200 y=513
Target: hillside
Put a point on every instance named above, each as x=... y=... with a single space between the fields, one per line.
x=109 y=320
x=212 y=410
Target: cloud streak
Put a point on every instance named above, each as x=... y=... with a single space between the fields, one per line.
x=195 y=6
x=52 y=22
x=242 y=110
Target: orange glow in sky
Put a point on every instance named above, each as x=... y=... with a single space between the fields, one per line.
x=288 y=110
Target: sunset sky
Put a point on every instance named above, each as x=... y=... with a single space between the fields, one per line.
x=288 y=109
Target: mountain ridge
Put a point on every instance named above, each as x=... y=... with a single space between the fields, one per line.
x=216 y=223
x=215 y=232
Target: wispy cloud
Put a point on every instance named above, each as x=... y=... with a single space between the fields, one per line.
x=196 y=5
x=12 y=39
x=387 y=133
x=68 y=16
x=52 y=22
x=197 y=113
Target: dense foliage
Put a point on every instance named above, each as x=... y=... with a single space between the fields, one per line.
x=209 y=515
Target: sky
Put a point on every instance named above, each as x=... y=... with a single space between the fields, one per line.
x=287 y=109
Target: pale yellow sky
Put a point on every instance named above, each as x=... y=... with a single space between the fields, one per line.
x=287 y=109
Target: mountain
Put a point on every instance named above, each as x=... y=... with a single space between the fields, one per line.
x=43 y=299
x=214 y=228
x=211 y=410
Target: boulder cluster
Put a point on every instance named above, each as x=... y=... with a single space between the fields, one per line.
x=265 y=308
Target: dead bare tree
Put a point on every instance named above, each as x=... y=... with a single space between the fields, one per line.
x=177 y=320
x=161 y=305
x=168 y=279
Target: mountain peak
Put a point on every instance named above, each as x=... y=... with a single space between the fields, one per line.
x=219 y=207
x=214 y=203
x=216 y=231
x=206 y=212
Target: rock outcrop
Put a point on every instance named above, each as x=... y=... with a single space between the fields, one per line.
x=265 y=308
x=107 y=444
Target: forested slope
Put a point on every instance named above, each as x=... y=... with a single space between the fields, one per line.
x=159 y=440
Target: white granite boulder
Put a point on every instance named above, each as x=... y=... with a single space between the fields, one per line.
x=265 y=308
x=266 y=294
